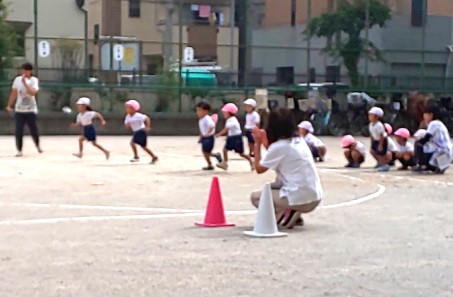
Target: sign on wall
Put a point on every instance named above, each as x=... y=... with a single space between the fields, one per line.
x=44 y=49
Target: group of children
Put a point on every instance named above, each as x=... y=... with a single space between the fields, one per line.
x=138 y=122
x=432 y=151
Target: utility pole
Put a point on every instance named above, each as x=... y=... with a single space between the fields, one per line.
x=180 y=55
x=232 y=23
x=309 y=5
x=424 y=17
x=35 y=16
x=367 y=38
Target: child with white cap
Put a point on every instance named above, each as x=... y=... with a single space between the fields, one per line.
x=233 y=131
x=405 y=150
x=85 y=119
x=354 y=151
x=317 y=147
x=140 y=124
x=252 y=121
x=379 y=139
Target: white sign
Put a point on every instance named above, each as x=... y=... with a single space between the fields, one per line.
x=44 y=49
x=189 y=54
x=118 y=52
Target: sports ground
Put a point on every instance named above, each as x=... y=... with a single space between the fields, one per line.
x=92 y=227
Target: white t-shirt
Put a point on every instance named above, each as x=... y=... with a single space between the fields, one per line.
x=440 y=141
x=391 y=145
x=86 y=118
x=252 y=120
x=361 y=148
x=377 y=130
x=136 y=121
x=312 y=140
x=403 y=148
x=293 y=162
x=206 y=124
x=232 y=124
x=24 y=101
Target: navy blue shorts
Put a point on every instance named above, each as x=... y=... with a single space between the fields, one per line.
x=235 y=143
x=207 y=144
x=89 y=132
x=140 y=137
x=314 y=151
x=375 y=146
x=248 y=134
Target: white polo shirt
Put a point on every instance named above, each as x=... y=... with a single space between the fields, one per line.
x=252 y=120
x=293 y=162
x=312 y=140
x=377 y=130
x=361 y=148
x=86 y=118
x=25 y=103
x=403 y=148
x=136 y=121
x=206 y=125
x=232 y=124
x=391 y=145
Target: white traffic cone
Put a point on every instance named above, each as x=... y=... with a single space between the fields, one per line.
x=266 y=224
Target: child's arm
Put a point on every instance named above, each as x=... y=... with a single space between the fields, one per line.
x=75 y=125
x=223 y=132
x=101 y=118
x=147 y=123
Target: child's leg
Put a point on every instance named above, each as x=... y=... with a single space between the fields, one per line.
x=356 y=157
x=81 y=140
x=106 y=152
x=207 y=157
x=247 y=157
x=134 y=149
x=225 y=155
x=322 y=152
x=348 y=156
x=251 y=148
x=153 y=156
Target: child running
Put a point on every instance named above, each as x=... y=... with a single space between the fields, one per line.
x=354 y=151
x=317 y=147
x=379 y=140
x=140 y=125
x=405 y=150
x=207 y=132
x=252 y=120
x=85 y=119
x=234 y=139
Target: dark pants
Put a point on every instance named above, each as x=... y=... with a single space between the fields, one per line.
x=422 y=157
x=30 y=120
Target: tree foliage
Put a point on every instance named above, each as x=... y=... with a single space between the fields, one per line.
x=350 y=19
x=8 y=41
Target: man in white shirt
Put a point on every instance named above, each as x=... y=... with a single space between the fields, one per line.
x=23 y=98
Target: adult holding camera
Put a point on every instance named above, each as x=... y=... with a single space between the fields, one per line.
x=23 y=101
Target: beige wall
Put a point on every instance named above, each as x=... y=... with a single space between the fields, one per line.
x=56 y=19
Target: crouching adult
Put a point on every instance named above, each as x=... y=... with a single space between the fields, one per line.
x=298 y=188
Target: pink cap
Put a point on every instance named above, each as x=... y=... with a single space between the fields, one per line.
x=215 y=117
x=347 y=141
x=403 y=132
x=388 y=128
x=231 y=108
x=134 y=104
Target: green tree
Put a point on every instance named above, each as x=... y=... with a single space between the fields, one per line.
x=350 y=19
x=8 y=46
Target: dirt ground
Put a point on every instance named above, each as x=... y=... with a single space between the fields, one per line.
x=92 y=227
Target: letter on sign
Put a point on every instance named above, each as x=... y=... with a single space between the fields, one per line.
x=118 y=52
x=44 y=49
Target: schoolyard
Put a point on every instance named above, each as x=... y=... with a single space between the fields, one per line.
x=91 y=227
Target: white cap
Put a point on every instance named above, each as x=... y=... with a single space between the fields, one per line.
x=420 y=133
x=376 y=111
x=250 y=102
x=84 y=101
x=307 y=126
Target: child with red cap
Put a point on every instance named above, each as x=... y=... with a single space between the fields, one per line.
x=140 y=125
x=354 y=151
x=234 y=140
x=405 y=150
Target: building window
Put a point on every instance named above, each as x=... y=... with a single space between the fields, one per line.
x=418 y=13
x=134 y=8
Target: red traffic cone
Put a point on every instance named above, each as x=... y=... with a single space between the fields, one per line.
x=215 y=215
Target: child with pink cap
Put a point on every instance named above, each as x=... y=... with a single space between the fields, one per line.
x=405 y=150
x=317 y=147
x=354 y=151
x=391 y=145
x=234 y=140
x=140 y=124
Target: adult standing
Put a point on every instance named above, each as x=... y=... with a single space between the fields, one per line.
x=23 y=101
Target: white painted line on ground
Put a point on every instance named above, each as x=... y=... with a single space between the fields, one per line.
x=378 y=193
x=97 y=207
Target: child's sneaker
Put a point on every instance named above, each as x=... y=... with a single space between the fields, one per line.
x=19 y=154
x=154 y=160
x=209 y=167
x=135 y=160
x=223 y=165
x=384 y=168
x=218 y=156
x=355 y=165
x=39 y=149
